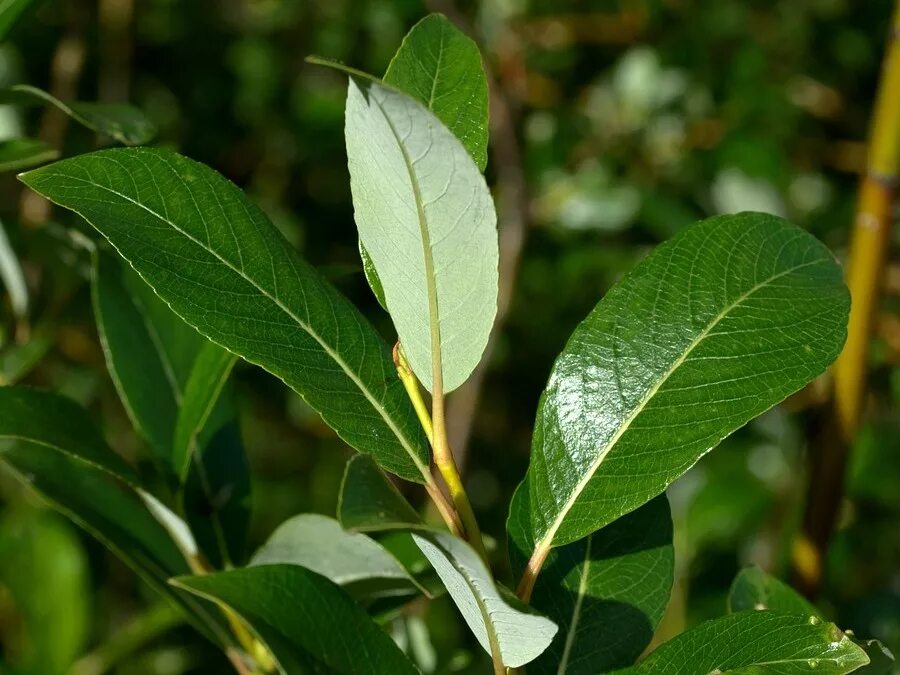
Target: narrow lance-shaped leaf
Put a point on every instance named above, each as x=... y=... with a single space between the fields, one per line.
x=224 y=268
x=620 y=577
x=148 y=350
x=119 y=121
x=201 y=395
x=49 y=443
x=23 y=153
x=427 y=221
x=304 y=619
x=352 y=560
x=440 y=66
x=756 y=643
x=10 y=12
x=710 y=330
x=503 y=626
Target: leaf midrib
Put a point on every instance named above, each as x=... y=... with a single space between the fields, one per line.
x=277 y=302
x=546 y=541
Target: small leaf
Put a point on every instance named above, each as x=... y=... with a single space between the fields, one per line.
x=427 y=221
x=440 y=66
x=754 y=589
x=620 y=576
x=372 y=276
x=224 y=268
x=713 y=328
x=45 y=570
x=23 y=153
x=17 y=360
x=119 y=121
x=303 y=617
x=502 y=625
x=370 y=502
x=752 y=643
x=198 y=402
x=354 y=561
x=13 y=278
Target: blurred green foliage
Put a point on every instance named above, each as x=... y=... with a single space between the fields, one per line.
x=634 y=119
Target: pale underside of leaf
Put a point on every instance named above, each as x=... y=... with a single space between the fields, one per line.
x=427 y=221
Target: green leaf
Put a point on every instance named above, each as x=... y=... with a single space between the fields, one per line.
x=302 y=615
x=119 y=121
x=224 y=268
x=44 y=567
x=362 y=566
x=710 y=330
x=53 y=421
x=502 y=625
x=427 y=221
x=49 y=443
x=17 y=360
x=372 y=276
x=370 y=502
x=12 y=276
x=440 y=66
x=147 y=349
x=752 y=643
x=754 y=589
x=620 y=576
x=23 y=153
x=202 y=390
x=10 y=12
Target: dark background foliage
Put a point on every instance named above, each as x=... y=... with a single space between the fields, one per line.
x=632 y=118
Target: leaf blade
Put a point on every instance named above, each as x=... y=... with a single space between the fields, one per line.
x=448 y=79
x=615 y=439
x=355 y=388
x=308 y=613
x=427 y=221
x=756 y=642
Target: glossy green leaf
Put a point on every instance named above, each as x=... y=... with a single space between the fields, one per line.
x=754 y=643
x=710 y=330
x=225 y=269
x=370 y=502
x=354 y=561
x=440 y=66
x=754 y=589
x=119 y=121
x=502 y=625
x=23 y=153
x=301 y=616
x=10 y=12
x=12 y=276
x=427 y=221
x=202 y=390
x=43 y=565
x=620 y=577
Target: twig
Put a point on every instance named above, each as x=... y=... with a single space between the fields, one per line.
x=829 y=447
